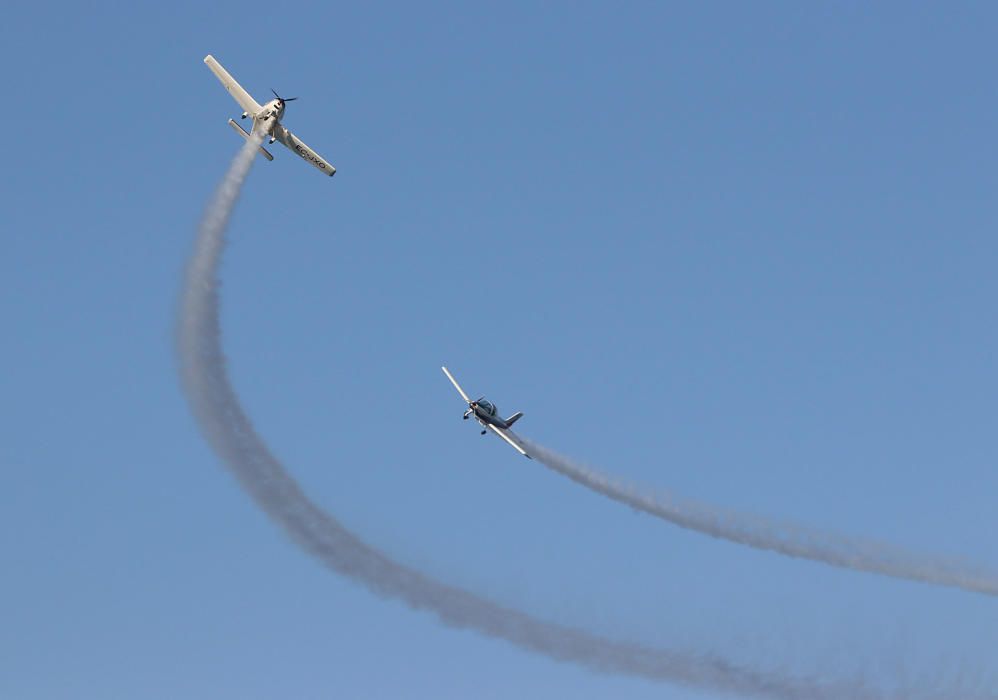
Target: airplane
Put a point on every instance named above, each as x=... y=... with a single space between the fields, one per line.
x=486 y=413
x=266 y=119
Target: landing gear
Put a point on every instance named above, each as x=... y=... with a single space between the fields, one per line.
x=244 y=116
x=272 y=139
x=483 y=432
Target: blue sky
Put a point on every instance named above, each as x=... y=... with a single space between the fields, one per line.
x=745 y=254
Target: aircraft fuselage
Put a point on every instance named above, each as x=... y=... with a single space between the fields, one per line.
x=487 y=412
x=268 y=117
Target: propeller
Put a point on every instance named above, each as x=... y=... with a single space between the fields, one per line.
x=282 y=99
x=472 y=405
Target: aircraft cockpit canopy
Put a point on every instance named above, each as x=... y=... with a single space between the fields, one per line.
x=487 y=407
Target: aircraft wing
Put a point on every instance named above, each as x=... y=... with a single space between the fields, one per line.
x=456 y=385
x=298 y=146
x=248 y=104
x=508 y=436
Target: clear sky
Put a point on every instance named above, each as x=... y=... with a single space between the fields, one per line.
x=743 y=254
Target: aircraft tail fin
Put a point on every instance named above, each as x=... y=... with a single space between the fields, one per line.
x=242 y=132
x=513 y=418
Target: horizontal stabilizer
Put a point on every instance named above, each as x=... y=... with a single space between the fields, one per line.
x=515 y=417
x=242 y=132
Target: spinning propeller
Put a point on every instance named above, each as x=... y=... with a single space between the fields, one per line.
x=282 y=99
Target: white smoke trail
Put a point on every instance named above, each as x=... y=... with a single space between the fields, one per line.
x=792 y=540
x=233 y=437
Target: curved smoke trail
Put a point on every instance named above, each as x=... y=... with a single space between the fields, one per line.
x=233 y=437
x=789 y=539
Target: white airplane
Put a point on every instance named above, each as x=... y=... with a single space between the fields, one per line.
x=487 y=414
x=266 y=119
